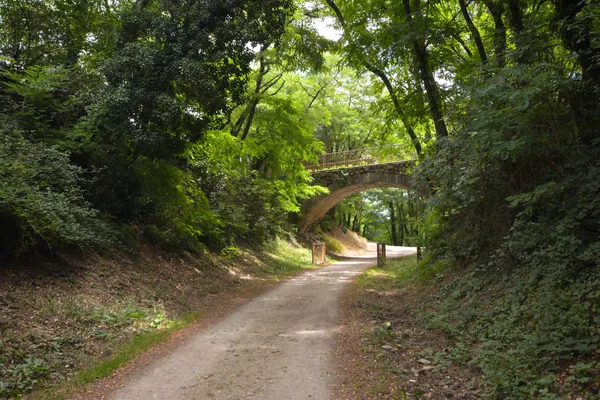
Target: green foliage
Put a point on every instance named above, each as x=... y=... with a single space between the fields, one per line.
x=332 y=244
x=22 y=377
x=176 y=67
x=284 y=257
x=130 y=91
x=53 y=32
x=388 y=215
x=35 y=88
x=177 y=210
x=345 y=111
x=520 y=332
x=230 y=252
x=514 y=194
x=40 y=197
x=250 y=204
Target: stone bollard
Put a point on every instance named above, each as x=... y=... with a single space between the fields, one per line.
x=318 y=253
x=381 y=256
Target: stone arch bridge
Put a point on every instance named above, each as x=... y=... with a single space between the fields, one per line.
x=343 y=182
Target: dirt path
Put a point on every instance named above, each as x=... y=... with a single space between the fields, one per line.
x=277 y=346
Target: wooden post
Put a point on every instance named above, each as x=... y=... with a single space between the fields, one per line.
x=381 y=256
x=318 y=253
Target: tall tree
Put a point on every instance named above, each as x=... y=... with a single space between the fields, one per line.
x=431 y=87
x=496 y=9
x=356 y=50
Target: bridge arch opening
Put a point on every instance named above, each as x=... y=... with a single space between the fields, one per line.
x=320 y=208
x=346 y=182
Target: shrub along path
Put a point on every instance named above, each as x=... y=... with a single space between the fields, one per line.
x=277 y=346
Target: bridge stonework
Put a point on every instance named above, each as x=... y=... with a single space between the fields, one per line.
x=345 y=182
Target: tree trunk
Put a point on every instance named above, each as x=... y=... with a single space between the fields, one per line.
x=393 y=223
x=402 y=223
x=431 y=87
x=255 y=98
x=356 y=223
x=579 y=39
x=496 y=10
x=516 y=15
x=520 y=35
x=474 y=31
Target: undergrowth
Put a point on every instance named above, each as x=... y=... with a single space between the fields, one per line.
x=531 y=337
x=26 y=361
x=514 y=194
x=332 y=244
x=163 y=328
x=401 y=272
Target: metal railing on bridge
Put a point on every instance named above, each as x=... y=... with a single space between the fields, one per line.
x=354 y=158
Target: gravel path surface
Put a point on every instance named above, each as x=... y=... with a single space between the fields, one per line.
x=277 y=346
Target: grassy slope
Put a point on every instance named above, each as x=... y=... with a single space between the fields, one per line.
x=67 y=321
x=480 y=337
x=343 y=241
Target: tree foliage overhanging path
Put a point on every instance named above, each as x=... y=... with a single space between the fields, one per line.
x=170 y=117
x=498 y=77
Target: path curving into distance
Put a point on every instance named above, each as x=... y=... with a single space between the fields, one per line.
x=277 y=346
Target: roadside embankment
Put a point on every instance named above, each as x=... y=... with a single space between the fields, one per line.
x=69 y=319
x=434 y=330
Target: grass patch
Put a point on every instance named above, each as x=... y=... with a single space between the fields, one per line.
x=138 y=344
x=283 y=258
x=333 y=244
x=379 y=278
x=401 y=272
x=135 y=346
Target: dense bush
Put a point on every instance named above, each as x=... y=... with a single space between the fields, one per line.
x=248 y=205
x=40 y=196
x=516 y=196
x=125 y=95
